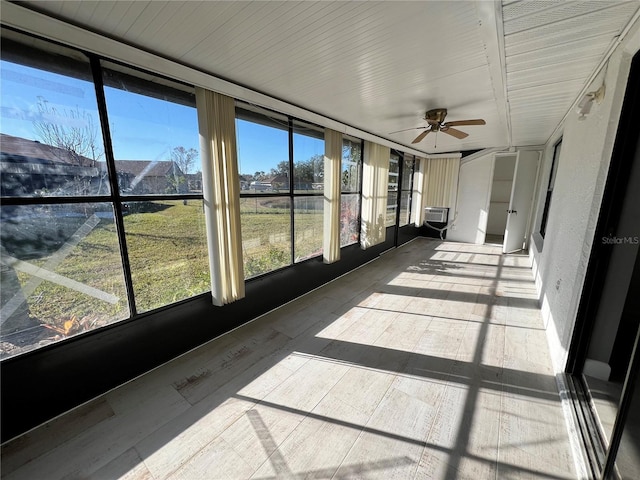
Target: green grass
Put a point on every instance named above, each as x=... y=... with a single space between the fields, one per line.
x=168 y=257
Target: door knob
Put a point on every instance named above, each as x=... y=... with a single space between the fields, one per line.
x=512 y=211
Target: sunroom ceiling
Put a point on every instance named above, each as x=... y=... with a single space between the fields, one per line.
x=378 y=66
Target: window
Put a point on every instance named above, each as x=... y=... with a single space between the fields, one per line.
x=406 y=190
x=552 y=180
x=61 y=267
x=154 y=132
x=392 y=195
x=308 y=184
x=350 y=191
x=263 y=166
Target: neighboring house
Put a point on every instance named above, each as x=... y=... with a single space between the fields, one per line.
x=144 y=176
x=29 y=167
x=194 y=182
x=244 y=182
x=277 y=182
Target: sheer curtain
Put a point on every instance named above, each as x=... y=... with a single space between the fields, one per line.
x=438 y=179
x=332 y=177
x=221 y=191
x=375 y=179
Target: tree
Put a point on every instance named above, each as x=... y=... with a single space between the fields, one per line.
x=184 y=158
x=75 y=135
x=351 y=155
x=70 y=130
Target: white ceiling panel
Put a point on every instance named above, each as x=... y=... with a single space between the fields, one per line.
x=551 y=50
x=379 y=65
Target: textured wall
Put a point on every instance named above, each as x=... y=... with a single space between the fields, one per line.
x=560 y=261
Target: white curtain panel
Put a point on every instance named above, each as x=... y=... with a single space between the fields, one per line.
x=375 y=180
x=332 y=176
x=418 y=191
x=221 y=191
x=439 y=177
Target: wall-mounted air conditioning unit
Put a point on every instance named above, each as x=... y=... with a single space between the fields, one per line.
x=436 y=214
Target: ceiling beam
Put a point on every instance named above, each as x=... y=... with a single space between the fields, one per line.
x=491 y=29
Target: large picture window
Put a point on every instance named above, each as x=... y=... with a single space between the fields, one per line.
x=308 y=180
x=154 y=132
x=61 y=267
x=102 y=192
x=263 y=166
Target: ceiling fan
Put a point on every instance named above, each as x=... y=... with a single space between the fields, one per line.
x=436 y=123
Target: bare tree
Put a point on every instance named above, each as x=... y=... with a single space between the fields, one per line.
x=75 y=135
x=71 y=130
x=184 y=158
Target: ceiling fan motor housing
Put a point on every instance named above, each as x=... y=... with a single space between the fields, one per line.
x=435 y=116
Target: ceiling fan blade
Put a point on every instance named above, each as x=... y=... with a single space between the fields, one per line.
x=407 y=129
x=454 y=133
x=421 y=136
x=459 y=123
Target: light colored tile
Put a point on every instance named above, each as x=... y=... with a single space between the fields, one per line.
x=422 y=364
x=308 y=385
x=393 y=439
x=172 y=446
x=226 y=366
x=217 y=461
x=100 y=444
x=257 y=435
x=128 y=466
x=53 y=434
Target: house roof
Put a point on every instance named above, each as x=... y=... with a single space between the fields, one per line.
x=23 y=149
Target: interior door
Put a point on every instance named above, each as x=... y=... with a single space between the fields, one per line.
x=522 y=189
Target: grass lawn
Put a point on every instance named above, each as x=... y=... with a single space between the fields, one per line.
x=167 y=252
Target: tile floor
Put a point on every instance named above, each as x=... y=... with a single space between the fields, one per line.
x=430 y=362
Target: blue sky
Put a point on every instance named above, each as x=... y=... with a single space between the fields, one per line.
x=142 y=128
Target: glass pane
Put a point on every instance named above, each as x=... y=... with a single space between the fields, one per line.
x=392 y=204
x=266 y=234
x=308 y=157
x=407 y=189
x=263 y=151
x=407 y=172
x=51 y=142
x=405 y=200
x=394 y=170
x=349 y=219
x=351 y=165
x=167 y=251
x=628 y=456
x=61 y=273
x=392 y=195
x=154 y=131
x=308 y=224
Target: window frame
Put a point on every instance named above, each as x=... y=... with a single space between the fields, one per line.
x=358 y=190
x=45 y=48
x=557 y=149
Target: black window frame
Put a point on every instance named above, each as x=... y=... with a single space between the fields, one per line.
x=557 y=148
x=41 y=52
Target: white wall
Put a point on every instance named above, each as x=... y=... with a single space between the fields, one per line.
x=560 y=261
x=474 y=188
